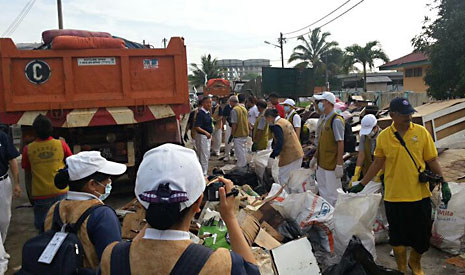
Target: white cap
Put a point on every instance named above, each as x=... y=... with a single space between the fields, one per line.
x=368 y=122
x=328 y=96
x=174 y=165
x=87 y=163
x=289 y=102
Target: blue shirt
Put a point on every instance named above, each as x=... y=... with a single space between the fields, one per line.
x=204 y=121
x=7 y=152
x=103 y=226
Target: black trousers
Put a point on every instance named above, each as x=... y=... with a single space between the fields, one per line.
x=410 y=224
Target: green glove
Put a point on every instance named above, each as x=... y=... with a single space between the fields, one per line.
x=254 y=147
x=357 y=188
x=446 y=194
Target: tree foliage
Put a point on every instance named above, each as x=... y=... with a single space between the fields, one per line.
x=311 y=50
x=208 y=69
x=366 y=56
x=443 y=40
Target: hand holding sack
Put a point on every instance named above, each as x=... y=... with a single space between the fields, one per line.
x=358 y=187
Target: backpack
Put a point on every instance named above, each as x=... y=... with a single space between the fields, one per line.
x=304 y=131
x=350 y=140
x=191 y=261
x=68 y=259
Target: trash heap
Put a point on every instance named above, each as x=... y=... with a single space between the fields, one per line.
x=292 y=230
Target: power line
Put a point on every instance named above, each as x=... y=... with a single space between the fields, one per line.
x=15 y=24
x=317 y=21
x=332 y=20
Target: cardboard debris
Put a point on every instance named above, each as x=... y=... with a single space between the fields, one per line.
x=266 y=241
x=295 y=257
x=133 y=223
x=273 y=232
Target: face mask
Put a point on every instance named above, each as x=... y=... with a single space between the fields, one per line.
x=321 y=107
x=287 y=109
x=108 y=187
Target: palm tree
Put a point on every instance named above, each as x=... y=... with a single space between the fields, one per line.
x=365 y=56
x=311 y=50
x=208 y=70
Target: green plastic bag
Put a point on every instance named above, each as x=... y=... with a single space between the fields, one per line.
x=215 y=234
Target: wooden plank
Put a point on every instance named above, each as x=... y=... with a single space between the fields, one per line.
x=451 y=130
x=429 y=127
x=450 y=117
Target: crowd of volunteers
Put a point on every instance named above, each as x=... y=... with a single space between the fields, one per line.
x=171 y=180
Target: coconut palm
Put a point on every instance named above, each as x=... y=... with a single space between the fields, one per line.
x=364 y=55
x=207 y=70
x=311 y=50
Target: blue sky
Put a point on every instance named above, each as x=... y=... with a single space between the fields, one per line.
x=226 y=29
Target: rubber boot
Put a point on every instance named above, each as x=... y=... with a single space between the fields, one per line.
x=414 y=262
x=400 y=253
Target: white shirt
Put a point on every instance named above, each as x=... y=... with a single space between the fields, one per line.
x=296 y=121
x=253 y=114
x=203 y=109
x=80 y=196
x=166 y=235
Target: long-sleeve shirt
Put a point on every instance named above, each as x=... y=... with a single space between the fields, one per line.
x=278 y=140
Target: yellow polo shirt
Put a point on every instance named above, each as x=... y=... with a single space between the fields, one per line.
x=401 y=175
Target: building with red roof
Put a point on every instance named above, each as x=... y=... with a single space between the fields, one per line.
x=414 y=67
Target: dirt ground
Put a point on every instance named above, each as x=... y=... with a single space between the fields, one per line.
x=22 y=229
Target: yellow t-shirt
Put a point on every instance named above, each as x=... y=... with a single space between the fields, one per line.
x=401 y=175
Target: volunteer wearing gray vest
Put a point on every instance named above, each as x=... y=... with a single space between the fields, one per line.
x=286 y=145
x=292 y=116
x=366 y=148
x=170 y=185
x=88 y=177
x=240 y=128
x=330 y=148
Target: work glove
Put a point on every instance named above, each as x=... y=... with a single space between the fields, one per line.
x=446 y=194
x=339 y=171
x=357 y=188
x=254 y=147
x=356 y=175
x=313 y=163
x=270 y=163
x=230 y=139
x=186 y=137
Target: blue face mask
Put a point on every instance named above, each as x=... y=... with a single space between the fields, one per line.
x=287 y=109
x=108 y=187
x=321 y=107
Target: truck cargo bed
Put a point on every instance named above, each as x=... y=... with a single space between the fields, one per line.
x=46 y=80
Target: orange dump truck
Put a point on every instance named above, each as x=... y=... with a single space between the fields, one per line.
x=121 y=102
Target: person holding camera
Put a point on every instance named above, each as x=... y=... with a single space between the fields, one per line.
x=405 y=150
x=170 y=186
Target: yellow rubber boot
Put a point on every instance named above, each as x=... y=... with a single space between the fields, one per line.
x=414 y=262
x=400 y=253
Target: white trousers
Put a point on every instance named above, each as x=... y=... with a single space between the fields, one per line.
x=6 y=191
x=285 y=171
x=216 y=142
x=3 y=259
x=203 y=151
x=227 y=146
x=328 y=184
x=240 y=151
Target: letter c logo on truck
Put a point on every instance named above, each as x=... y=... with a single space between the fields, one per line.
x=37 y=71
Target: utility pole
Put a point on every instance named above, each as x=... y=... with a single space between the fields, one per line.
x=60 y=15
x=164 y=42
x=281 y=41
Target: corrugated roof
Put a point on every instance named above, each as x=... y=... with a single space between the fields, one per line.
x=378 y=79
x=404 y=60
